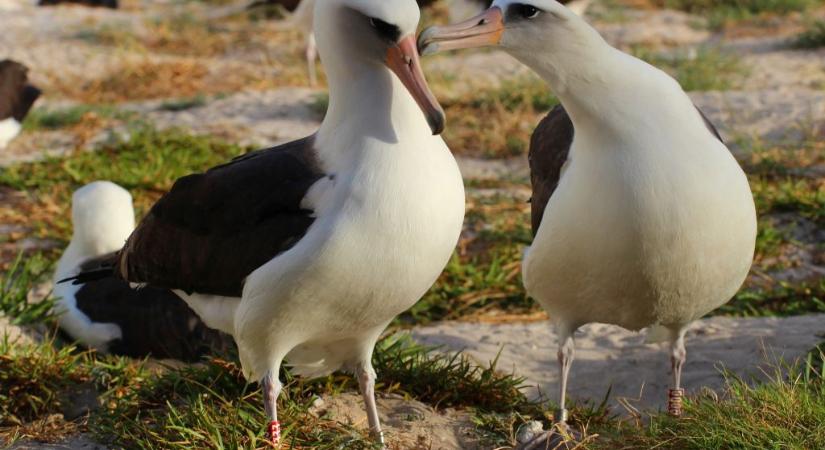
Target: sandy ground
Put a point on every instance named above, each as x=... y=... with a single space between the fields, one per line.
x=610 y=357
x=408 y=424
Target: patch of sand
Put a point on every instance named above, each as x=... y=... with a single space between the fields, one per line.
x=608 y=356
x=407 y=424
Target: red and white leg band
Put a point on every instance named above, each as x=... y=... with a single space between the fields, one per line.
x=274 y=432
x=674 y=402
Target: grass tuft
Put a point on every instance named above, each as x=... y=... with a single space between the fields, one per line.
x=813 y=37
x=497 y=122
x=786 y=412
x=445 y=380
x=722 y=12
x=702 y=69
x=182 y=104
x=34 y=377
x=53 y=119
x=15 y=285
x=147 y=163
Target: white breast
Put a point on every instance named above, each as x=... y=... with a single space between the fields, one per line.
x=385 y=229
x=644 y=230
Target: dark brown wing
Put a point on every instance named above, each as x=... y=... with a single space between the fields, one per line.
x=16 y=95
x=549 y=149
x=154 y=322
x=213 y=229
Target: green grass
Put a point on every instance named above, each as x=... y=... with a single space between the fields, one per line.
x=484 y=276
x=182 y=104
x=56 y=118
x=705 y=69
x=813 y=37
x=495 y=122
x=721 y=12
x=146 y=163
x=788 y=412
x=210 y=405
x=781 y=299
x=33 y=379
x=815 y=362
x=15 y=285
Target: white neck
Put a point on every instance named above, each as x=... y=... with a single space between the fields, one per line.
x=366 y=100
x=596 y=83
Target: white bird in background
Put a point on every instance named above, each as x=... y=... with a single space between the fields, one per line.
x=107 y=314
x=307 y=251
x=652 y=222
x=102 y=220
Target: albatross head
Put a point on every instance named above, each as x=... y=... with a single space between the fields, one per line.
x=358 y=33
x=103 y=218
x=530 y=30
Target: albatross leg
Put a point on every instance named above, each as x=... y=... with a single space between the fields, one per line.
x=558 y=436
x=272 y=389
x=311 y=54
x=565 y=356
x=366 y=381
x=678 y=354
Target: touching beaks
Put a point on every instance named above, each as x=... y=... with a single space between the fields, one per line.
x=404 y=61
x=482 y=30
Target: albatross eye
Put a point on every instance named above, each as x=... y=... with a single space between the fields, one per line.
x=528 y=11
x=386 y=30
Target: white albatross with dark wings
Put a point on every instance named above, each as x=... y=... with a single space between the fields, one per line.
x=642 y=216
x=308 y=250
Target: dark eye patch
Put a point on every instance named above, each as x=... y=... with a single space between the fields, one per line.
x=522 y=11
x=385 y=30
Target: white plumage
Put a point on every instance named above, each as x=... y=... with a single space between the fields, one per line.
x=9 y=129
x=375 y=224
x=102 y=219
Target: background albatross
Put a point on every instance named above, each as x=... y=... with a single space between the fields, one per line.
x=308 y=250
x=107 y=314
x=652 y=222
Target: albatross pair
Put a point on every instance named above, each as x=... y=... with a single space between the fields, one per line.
x=642 y=217
x=307 y=251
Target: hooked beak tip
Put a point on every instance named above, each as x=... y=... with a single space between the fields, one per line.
x=428 y=49
x=436 y=121
x=425 y=44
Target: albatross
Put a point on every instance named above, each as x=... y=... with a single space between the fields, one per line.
x=16 y=99
x=107 y=314
x=642 y=216
x=305 y=252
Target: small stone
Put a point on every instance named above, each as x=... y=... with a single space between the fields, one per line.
x=529 y=431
